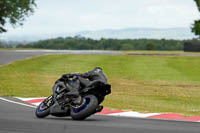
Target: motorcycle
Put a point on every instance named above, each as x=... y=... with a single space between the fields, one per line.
x=59 y=104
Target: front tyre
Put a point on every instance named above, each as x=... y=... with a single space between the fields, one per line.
x=43 y=109
x=87 y=109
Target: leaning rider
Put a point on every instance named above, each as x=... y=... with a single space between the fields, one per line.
x=93 y=76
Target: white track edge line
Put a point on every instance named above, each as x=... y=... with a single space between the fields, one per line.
x=17 y=102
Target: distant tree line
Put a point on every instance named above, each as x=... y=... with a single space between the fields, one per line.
x=10 y=44
x=81 y=43
x=3 y=45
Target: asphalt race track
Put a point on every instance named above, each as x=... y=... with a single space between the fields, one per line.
x=15 y=118
x=7 y=56
x=18 y=118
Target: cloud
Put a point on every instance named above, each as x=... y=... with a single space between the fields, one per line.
x=78 y=15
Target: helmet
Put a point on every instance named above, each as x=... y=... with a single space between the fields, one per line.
x=97 y=69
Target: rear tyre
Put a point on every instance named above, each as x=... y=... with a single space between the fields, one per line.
x=43 y=109
x=87 y=109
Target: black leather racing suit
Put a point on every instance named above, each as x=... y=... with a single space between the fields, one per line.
x=94 y=75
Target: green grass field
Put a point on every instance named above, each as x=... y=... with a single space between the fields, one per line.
x=139 y=83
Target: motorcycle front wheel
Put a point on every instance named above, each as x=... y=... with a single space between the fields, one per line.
x=87 y=109
x=43 y=109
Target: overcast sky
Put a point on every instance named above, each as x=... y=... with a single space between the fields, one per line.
x=62 y=16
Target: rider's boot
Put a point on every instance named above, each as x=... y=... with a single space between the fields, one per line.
x=99 y=108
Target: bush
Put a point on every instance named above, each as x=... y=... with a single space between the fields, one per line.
x=192 y=46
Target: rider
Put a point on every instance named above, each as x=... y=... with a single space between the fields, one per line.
x=93 y=76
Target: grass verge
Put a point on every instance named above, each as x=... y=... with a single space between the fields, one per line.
x=139 y=83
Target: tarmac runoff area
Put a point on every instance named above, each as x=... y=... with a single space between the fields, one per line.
x=7 y=56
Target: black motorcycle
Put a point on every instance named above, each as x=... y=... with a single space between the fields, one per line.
x=61 y=105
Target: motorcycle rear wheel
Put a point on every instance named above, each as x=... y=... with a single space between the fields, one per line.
x=87 y=109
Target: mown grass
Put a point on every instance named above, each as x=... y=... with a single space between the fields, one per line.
x=139 y=83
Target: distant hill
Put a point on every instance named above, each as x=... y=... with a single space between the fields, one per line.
x=138 y=33
x=128 y=33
